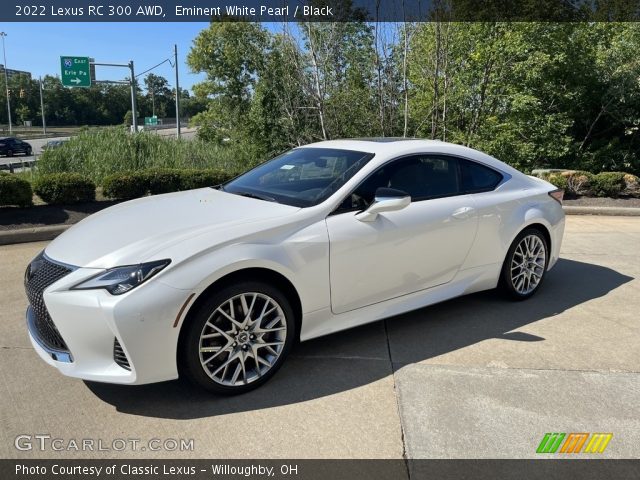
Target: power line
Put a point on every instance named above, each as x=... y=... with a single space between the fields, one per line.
x=155 y=66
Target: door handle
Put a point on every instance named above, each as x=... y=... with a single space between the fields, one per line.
x=463 y=212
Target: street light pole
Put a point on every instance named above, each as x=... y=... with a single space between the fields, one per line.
x=175 y=61
x=44 y=122
x=6 y=82
x=133 y=98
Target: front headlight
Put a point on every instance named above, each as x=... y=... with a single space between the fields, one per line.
x=122 y=279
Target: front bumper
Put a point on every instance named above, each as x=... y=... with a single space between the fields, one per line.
x=91 y=321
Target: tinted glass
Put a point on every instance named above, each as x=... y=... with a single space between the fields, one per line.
x=478 y=178
x=421 y=176
x=302 y=177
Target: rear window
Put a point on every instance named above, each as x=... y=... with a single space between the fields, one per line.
x=478 y=178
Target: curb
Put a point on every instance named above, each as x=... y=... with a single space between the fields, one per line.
x=39 y=234
x=35 y=234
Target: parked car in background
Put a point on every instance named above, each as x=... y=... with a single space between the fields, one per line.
x=218 y=283
x=9 y=146
x=51 y=144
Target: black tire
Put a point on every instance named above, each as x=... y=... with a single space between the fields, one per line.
x=189 y=355
x=506 y=283
x=27 y=152
x=9 y=153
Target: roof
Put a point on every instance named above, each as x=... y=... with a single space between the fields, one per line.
x=389 y=147
x=387 y=139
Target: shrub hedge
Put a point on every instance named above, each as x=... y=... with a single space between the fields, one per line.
x=559 y=181
x=605 y=184
x=15 y=191
x=608 y=184
x=64 y=188
x=124 y=185
x=130 y=185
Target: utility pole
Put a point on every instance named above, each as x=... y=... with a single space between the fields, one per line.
x=44 y=122
x=153 y=101
x=6 y=82
x=175 y=62
x=134 y=112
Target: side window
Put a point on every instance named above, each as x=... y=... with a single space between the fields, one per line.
x=478 y=178
x=421 y=176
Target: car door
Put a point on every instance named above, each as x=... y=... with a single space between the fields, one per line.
x=10 y=145
x=404 y=251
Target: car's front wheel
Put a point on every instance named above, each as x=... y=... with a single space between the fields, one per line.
x=238 y=338
x=27 y=152
x=526 y=264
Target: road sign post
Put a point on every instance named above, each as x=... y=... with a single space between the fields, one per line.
x=75 y=71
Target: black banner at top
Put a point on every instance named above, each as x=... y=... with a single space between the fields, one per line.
x=319 y=10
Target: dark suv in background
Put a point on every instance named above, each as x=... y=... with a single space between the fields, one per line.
x=9 y=146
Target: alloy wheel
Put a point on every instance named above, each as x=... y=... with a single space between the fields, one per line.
x=527 y=264
x=242 y=339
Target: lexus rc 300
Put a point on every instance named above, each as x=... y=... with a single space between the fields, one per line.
x=218 y=283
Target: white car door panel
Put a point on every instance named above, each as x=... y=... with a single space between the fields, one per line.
x=400 y=252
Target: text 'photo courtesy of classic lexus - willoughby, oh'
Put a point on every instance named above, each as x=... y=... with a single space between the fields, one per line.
x=218 y=283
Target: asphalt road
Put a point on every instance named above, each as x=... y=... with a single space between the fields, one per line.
x=38 y=143
x=476 y=377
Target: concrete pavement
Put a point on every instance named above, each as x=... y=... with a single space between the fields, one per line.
x=475 y=377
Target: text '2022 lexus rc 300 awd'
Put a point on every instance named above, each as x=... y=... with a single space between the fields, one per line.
x=218 y=283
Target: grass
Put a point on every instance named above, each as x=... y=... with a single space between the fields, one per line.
x=101 y=152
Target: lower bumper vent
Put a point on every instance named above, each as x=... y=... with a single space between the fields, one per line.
x=119 y=356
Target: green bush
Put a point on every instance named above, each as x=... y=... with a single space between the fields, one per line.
x=559 y=181
x=63 y=188
x=130 y=185
x=14 y=191
x=203 y=178
x=162 y=180
x=125 y=185
x=608 y=184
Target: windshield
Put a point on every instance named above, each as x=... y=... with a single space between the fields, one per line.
x=303 y=177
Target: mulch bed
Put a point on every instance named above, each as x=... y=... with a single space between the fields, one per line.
x=602 y=202
x=12 y=218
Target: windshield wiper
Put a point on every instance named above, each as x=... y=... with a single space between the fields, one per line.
x=255 y=195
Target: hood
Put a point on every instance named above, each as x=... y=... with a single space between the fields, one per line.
x=131 y=232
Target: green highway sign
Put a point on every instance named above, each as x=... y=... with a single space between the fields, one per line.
x=75 y=71
x=151 y=121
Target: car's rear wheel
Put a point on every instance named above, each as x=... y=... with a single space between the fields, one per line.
x=525 y=265
x=238 y=338
x=9 y=153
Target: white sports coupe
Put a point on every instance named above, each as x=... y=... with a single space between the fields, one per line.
x=218 y=283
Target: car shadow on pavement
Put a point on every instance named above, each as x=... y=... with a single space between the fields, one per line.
x=360 y=356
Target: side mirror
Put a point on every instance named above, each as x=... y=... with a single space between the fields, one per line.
x=386 y=200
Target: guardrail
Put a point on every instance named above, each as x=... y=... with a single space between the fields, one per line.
x=12 y=164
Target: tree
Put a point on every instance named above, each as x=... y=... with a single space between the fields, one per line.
x=24 y=113
x=158 y=89
x=231 y=54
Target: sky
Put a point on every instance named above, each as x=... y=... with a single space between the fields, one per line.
x=37 y=47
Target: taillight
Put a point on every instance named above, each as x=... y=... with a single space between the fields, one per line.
x=557 y=195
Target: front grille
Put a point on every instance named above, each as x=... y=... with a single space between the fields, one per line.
x=41 y=273
x=119 y=356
